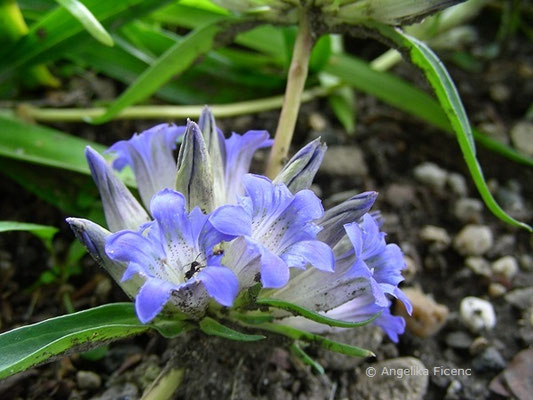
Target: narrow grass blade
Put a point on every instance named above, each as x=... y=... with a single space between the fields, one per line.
x=447 y=94
x=314 y=316
x=174 y=61
x=79 y=11
x=214 y=328
x=31 y=345
x=302 y=355
x=329 y=344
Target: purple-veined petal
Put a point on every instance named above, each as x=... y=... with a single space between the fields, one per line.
x=299 y=172
x=243 y=257
x=221 y=284
x=313 y=252
x=239 y=152
x=150 y=155
x=151 y=299
x=373 y=239
x=347 y=212
x=121 y=209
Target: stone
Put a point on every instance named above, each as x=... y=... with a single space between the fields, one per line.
x=431 y=174
x=506 y=266
x=381 y=381
x=427 y=318
x=489 y=360
x=473 y=240
x=521 y=298
x=399 y=195
x=345 y=161
x=468 y=210
x=479 y=266
x=459 y=340
x=435 y=235
x=477 y=314
x=88 y=380
x=522 y=137
x=457 y=184
x=496 y=289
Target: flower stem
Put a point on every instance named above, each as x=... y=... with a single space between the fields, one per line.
x=293 y=95
x=165 y=384
x=32 y=113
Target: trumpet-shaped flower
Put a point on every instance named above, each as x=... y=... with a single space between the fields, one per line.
x=277 y=231
x=174 y=256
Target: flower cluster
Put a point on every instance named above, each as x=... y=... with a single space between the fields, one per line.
x=210 y=231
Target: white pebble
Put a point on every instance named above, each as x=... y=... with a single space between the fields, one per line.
x=479 y=266
x=457 y=183
x=468 y=209
x=477 y=314
x=506 y=266
x=436 y=235
x=431 y=174
x=522 y=137
x=473 y=240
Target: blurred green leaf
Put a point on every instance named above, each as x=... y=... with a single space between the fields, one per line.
x=43 y=232
x=57 y=31
x=342 y=102
x=174 y=61
x=78 y=10
x=446 y=92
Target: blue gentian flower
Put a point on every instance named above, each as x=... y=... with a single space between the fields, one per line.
x=212 y=230
x=174 y=256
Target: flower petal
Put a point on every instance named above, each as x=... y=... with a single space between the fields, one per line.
x=313 y=252
x=299 y=172
x=152 y=297
x=150 y=156
x=232 y=220
x=239 y=152
x=122 y=210
x=221 y=284
x=195 y=177
x=274 y=271
x=94 y=237
x=348 y=211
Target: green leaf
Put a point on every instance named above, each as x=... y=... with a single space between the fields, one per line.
x=342 y=102
x=329 y=344
x=302 y=355
x=174 y=61
x=41 y=145
x=314 y=316
x=31 y=345
x=447 y=94
x=43 y=232
x=214 y=328
x=58 y=31
x=87 y=19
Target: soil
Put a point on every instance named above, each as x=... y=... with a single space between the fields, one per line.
x=392 y=146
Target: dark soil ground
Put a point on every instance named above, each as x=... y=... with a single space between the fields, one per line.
x=384 y=154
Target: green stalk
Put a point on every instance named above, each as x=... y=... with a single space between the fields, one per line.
x=32 y=113
x=293 y=95
x=164 y=386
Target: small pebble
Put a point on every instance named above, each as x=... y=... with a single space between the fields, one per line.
x=496 y=289
x=431 y=174
x=526 y=262
x=477 y=314
x=521 y=298
x=478 y=345
x=436 y=235
x=457 y=183
x=427 y=318
x=345 y=161
x=506 y=266
x=458 y=340
x=88 y=380
x=473 y=240
x=317 y=122
x=454 y=390
x=489 y=360
x=410 y=270
x=522 y=137
x=468 y=210
x=479 y=266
